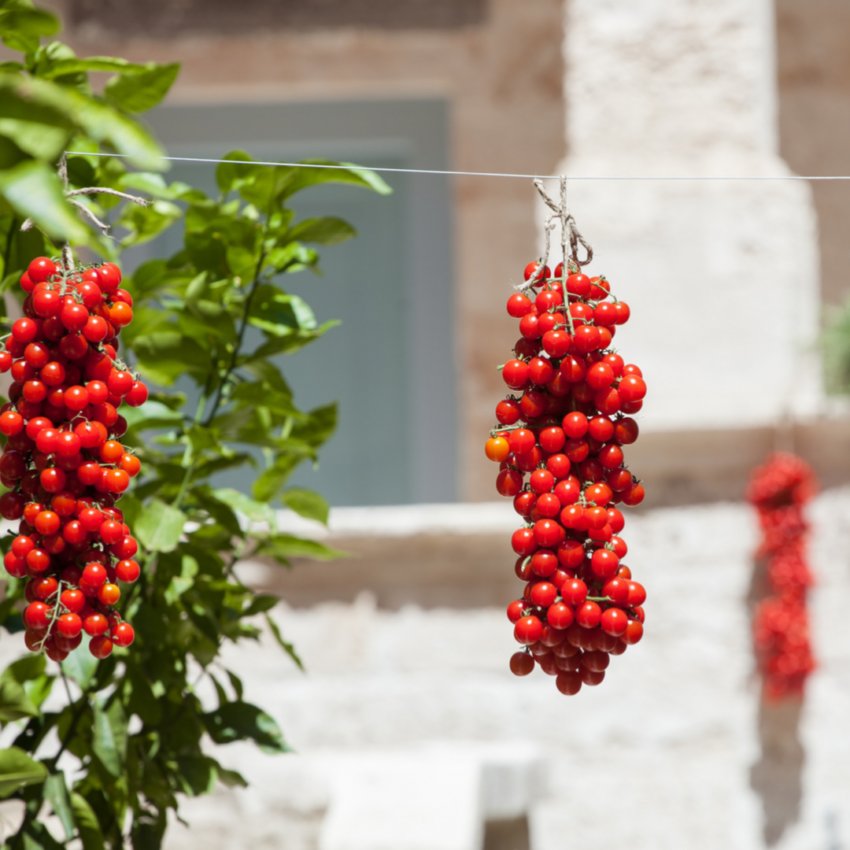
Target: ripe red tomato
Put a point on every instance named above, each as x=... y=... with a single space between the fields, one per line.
x=574 y=592
x=568 y=682
x=100 y=646
x=521 y=663
x=600 y=375
x=123 y=634
x=560 y=615
x=534 y=270
x=518 y=305
x=543 y=593
x=39 y=270
x=578 y=284
x=542 y=481
x=127 y=570
x=508 y=412
x=633 y=633
x=109 y=277
x=526 y=631
x=514 y=374
x=588 y=615
x=548 y=533
x=523 y=541
x=614 y=621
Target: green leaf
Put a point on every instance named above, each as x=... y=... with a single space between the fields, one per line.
x=231 y=778
x=279 y=314
x=166 y=355
x=236 y=683
x=293 y=257
x=229 y=176
x=239 y=721
x=56 y=793
x=347 y=172
x=306 y=503
x=269 y=483
x=35 y=192
x=160 y=526
x=80 y=666
x=87 y=823
x=31 y=99
x=323 y=231
x=14 y=702
x=290 y=344
x=140 y=91
x=27 y=672
x=143 y=701
x=180 y=584
x=197 y=774
x=260 y=604
x=109 y=742
x=251 y=508
x=17 y=770
x=21 y=29
x=318 y=426
x=36 y=836
x=34 y=137
x=24 y=669
x=146 y=223
x=152 y=414
x=288 y=648
x=282 y=547
x=61 y=67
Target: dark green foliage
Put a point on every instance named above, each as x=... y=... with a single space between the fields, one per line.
x=836 y=350
x=193 y=312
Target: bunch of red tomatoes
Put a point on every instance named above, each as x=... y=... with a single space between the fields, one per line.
x=559 y=444
x=63 y=464
x=779 y=491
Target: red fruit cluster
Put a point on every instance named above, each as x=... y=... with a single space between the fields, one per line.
x=63 y=463
x=779 y=490
x=560 y=444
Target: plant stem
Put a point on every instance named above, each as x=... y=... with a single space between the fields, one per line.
x=78 y=714
x=184 y=485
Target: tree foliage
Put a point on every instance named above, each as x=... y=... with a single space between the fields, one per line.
x=134 y=736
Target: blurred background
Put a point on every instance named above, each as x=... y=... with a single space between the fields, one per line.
x=409 y=730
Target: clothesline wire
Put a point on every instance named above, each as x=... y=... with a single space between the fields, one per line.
x=491 y=173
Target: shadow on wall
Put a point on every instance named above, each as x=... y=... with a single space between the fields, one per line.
x=507 y=834
x=777 y=775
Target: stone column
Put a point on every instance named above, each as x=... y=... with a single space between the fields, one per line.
x=722 y=275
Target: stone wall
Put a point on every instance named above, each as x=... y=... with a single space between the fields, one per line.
x=661 y=88
x=503 y=79
x=670 y=751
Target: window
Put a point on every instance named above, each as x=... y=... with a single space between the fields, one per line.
x=390 y=362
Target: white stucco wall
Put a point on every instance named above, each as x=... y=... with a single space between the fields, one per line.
x=722 y=275
x=658 y=756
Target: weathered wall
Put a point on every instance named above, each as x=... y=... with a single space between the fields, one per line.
x=722 y=274
x=503 y=79
x=813 y=46
x=725 y=274
x=659 y=756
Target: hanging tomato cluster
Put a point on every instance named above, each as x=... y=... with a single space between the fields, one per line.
x=63 y=463
x=559 y=444
x=779 y=491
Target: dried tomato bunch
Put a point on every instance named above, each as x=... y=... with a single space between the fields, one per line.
x=560 y=448
x=779 y=491
x=63 y=463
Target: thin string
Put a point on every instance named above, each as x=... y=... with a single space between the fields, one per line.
x=487 y=173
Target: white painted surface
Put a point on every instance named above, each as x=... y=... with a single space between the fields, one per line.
x=722 y=276
x=658 y=756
